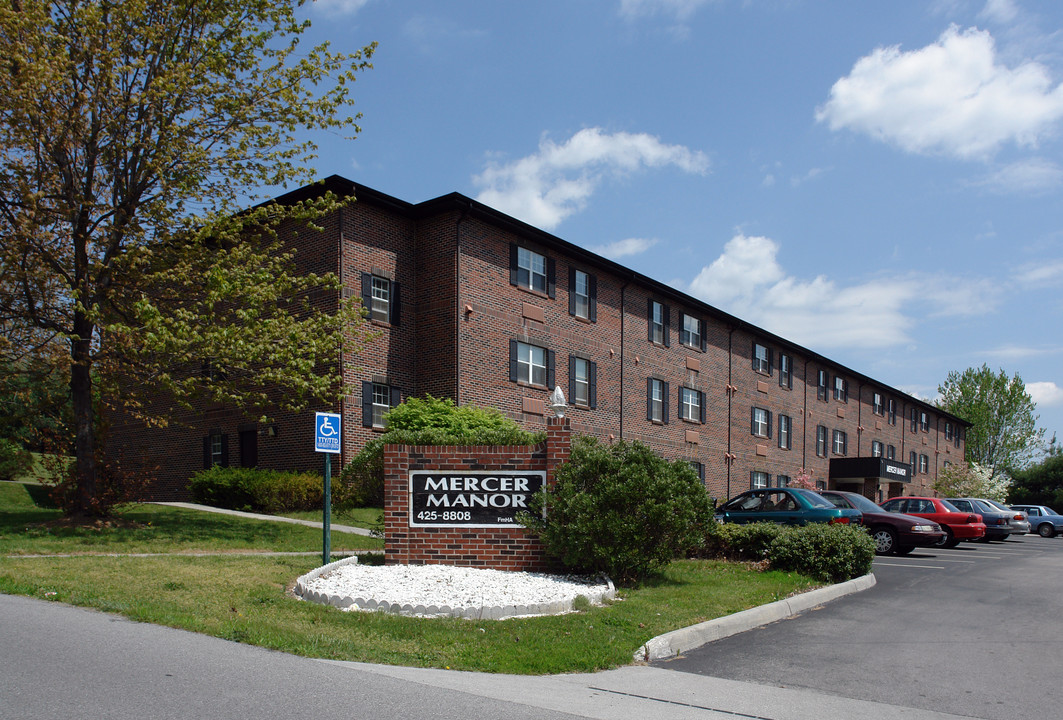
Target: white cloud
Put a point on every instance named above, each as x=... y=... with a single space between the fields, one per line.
x=680 y=9
x=951 y=98
x=340 y=7
x=1035 y=176
x=1045 y=394
x=1013 y=353
x=748 y=281
x=1047 y=272
x=548 y=186
x=625 y=248
x=1001 y=11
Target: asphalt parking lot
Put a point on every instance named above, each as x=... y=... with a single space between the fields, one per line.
x=976 y=630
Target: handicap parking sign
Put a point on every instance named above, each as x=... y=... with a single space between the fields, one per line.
x=327 y=433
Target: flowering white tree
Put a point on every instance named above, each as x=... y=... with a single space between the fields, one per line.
x=972 y=480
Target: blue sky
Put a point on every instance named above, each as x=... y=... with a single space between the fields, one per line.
x=879 y=182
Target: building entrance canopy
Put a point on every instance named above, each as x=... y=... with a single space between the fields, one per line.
x=869 y=468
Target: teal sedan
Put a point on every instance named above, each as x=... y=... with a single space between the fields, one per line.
x=785 y=506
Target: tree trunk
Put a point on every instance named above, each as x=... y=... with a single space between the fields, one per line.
x=84 y=419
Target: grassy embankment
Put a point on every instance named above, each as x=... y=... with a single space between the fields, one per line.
x=207 y=573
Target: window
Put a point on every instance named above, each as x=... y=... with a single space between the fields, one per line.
x=913 y=420
x=531 y=364
x=786 y=371
x=215 y=449
x=876 y=448
x=786 y=425
x=821 y=441
x=380 y=296
x=759 y=480
x=656 y=400
x=877 y=406
x=957 y=440
x=913 y=460
x=691 y=405
x=924 y=464
x=782 y=481
x=891 y=411
x=699 y=469
x=658 y=323
x=760 y=423
x=823 y=386
x=949 y=435
x=841 y=389
x=841 y=442
x=582 y=295
x=761 y=359
x=692 y=332
x=582 y=382
x=377 y=399
x=924 y=421
x=891 y=452
x=531 y=271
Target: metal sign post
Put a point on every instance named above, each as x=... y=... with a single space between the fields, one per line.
x=327 y=440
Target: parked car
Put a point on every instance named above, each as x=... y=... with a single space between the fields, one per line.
x=997 y=521
x=786 y=506
x=1019 y=521
x=892 y=532
x=1044 y=521
x=957 y=525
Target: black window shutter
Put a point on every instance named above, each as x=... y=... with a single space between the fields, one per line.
x=367 y=404
x=396 y=397
x=754 y=357
x=701 y=407
x=592 y=290
x=206 y=452
x=771 y=360
x=550 y=369
x=367 y=291
x=551 y=277
x=769 y=424
x=592 y=385
x=571 y=377
x=649 y=398
x=572 y=291
x=513 y=361
x=513 y=263
x=225 y=450
x=679 y=396
x=664 y=404
x=649 y=319
x=393 y=309
x=752 y=421
x=701 y=331
x=667 y=326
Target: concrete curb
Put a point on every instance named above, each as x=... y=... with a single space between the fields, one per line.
x=673 y=643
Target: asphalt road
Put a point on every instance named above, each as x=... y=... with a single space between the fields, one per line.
x=974 y=631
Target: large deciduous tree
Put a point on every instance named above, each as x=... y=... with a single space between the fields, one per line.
x=1004 y=436
x=131 y=132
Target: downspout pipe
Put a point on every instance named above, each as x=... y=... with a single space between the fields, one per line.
x=458 y=315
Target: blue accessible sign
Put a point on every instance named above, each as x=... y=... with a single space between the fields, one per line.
x=327 y=433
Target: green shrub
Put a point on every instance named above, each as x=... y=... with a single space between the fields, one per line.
x=428 y=421
x=14 y=461
x=620 y=509
x=268 y=491
x=741 y=542
x=832 y=553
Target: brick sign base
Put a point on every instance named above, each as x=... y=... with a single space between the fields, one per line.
x=499 y=548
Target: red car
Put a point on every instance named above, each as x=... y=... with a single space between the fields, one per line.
x=957 y=525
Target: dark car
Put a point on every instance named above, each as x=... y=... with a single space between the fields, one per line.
x=892 y=532
x=957 y=525
x=1044 y=521
x=997 y=522
x=786 y=506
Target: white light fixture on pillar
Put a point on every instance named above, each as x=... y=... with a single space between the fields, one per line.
x=557 y=402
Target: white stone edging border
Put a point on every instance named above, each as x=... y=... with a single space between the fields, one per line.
x=497 y=612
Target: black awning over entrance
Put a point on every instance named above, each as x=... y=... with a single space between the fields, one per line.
x=865 y=468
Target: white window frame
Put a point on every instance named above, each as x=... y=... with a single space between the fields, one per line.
x=381 y=403
x=380 y=303
x=761 y=359
x=531 y=362
x=840 y=442
x=786 y=371
x=657 y=321
x=761 y=426
x=690 y=403
x=657 y=400
x=759 y=480
x=785 y=432
x=581 y=381
x=691 y=331
x=531 y=270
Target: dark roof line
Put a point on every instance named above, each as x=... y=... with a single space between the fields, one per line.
x=455 y=201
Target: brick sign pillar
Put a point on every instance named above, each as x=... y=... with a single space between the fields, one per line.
x=454 y=505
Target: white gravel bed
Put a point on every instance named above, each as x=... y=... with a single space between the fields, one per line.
x=434 y=590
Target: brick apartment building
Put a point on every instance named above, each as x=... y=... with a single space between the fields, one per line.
x=474 y=305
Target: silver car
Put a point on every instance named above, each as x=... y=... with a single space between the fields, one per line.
x=1044 y=521
x=1019 y=522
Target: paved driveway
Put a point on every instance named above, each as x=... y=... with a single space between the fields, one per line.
x=976 y=631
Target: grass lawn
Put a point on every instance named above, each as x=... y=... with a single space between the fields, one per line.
x=244 y=597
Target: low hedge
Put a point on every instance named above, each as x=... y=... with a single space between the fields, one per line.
x=831 y=553
x=268 y=491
